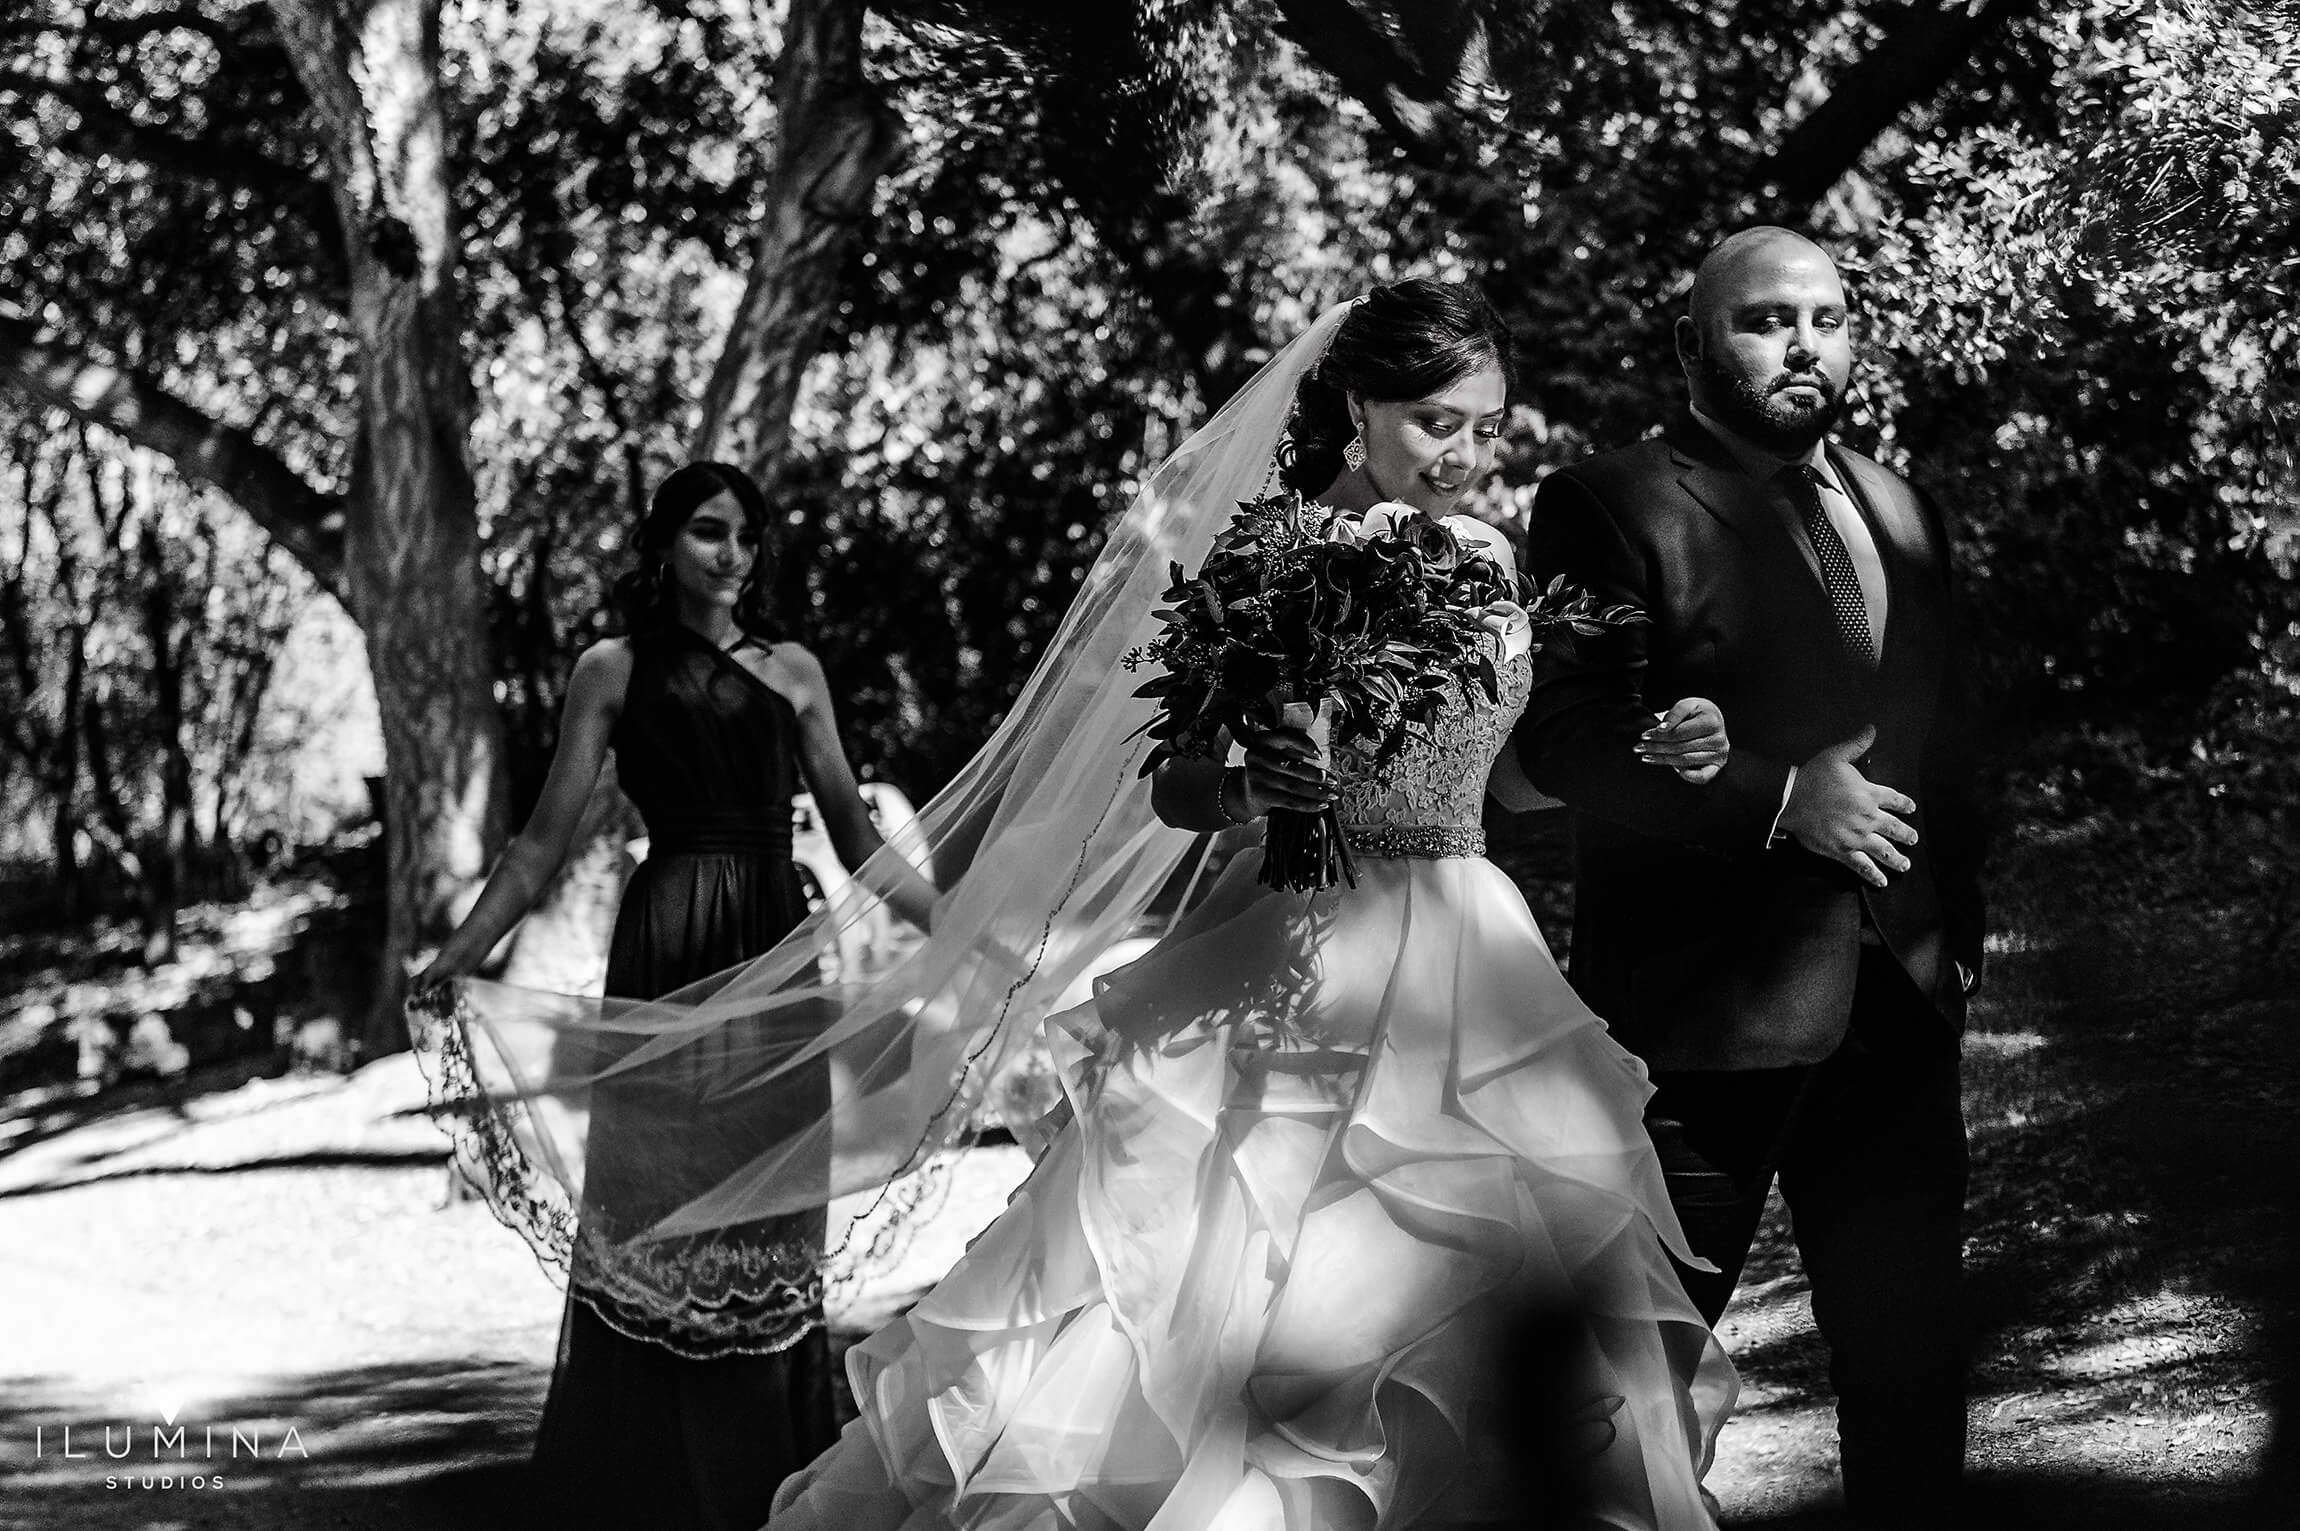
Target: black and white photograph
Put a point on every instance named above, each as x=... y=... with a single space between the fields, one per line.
x=1198 y=765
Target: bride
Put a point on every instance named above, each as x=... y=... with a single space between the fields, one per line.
x=1355 y=1207
x=1348 y=1217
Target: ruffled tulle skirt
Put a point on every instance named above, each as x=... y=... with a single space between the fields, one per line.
x=1356 y=1225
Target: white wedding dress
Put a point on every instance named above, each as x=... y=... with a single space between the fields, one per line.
x=1334 y=1158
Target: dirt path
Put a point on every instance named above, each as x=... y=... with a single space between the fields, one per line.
x=282 y=1256
x=275 y=1259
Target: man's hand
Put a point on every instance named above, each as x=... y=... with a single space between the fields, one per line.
x=1835 y=811
x=1689 y=739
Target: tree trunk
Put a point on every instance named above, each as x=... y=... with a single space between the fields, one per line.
x=1924 y=47
x=412 y=538
x=71 y=880
x=109 y=824
x=170 y=860
x=48 y=753
x=250 y=682
x=834 y=140
x=71 y=729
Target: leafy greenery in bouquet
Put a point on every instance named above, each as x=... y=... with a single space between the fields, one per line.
x=1357 y=626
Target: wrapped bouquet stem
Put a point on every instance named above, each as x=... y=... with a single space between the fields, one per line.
x=1307 y=851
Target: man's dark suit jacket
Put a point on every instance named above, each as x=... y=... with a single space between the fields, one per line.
x=1701 y=946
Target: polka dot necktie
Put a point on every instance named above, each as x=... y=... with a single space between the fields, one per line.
x=1851 y=607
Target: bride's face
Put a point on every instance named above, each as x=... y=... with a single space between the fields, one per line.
x=1429 y=452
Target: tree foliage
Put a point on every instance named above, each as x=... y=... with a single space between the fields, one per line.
x=2094 y=305
x=2070 y=227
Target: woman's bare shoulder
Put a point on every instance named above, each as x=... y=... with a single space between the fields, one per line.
x=601 y=672
x=792 y=669
x=798 y=656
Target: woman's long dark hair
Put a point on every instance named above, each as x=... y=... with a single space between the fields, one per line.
x=1405 y=341
x=642 y=596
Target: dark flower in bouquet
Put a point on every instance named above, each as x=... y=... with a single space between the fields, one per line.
x=1353 y=627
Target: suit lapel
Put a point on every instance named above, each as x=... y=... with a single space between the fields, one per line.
x=1707 y=471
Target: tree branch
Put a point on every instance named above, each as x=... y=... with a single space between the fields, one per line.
x=835 y=139
x=20 y=722
x=302 y=519
x=1919 y=54
x=1409 y=103
x=103 y=126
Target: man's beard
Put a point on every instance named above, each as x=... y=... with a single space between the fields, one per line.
x=1762 y=416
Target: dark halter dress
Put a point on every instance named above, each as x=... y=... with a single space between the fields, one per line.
x=635 y=1434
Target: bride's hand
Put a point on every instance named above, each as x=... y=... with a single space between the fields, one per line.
x=1282 y=771
x=1689 y=739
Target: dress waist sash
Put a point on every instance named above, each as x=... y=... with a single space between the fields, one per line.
x=734 y=833
x=1430 y=842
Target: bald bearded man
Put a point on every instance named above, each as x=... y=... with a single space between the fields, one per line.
x=1788 y=947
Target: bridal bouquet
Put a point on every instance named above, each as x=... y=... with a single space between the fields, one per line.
x=1354 y=627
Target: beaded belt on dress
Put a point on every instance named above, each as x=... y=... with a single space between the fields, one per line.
x=720 y=834
x=1430 y=842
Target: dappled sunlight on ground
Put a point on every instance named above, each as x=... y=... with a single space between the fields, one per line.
x=2126 y=1212
x=284 y=1255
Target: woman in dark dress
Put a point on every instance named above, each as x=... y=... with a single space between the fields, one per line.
x=688 y=1421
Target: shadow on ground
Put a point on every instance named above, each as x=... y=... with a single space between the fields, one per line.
x=2131 y=1228
x=438 y=1445
x=327 y=1159
x=258 y=989
x=2027 y=1501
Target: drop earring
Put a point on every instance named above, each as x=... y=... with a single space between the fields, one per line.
x=1354 y=455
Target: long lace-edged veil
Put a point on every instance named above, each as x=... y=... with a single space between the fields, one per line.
x=671 y=1156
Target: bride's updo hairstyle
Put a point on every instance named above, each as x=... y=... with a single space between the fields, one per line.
x=642 y=595
x=1406 y=341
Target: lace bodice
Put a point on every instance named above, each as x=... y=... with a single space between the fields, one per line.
x=1429 y=798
